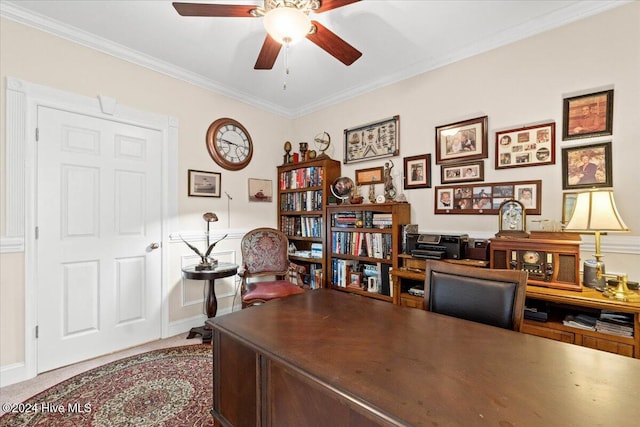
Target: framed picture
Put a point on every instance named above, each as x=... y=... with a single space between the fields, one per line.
x=526 y=146
x=486 y=198
x=462 y=172
x=260 y=190
x=417 y=171
x=204 y=184
x=372 y=141
x=369 y=176
x=568 y=205
x=587 y=166
x=589 y=115
x=462 y=141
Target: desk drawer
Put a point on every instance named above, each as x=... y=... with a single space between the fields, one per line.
x=412 y=301
x=545 y=332
x=607 y=345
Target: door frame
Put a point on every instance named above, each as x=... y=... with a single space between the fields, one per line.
x=23 y=100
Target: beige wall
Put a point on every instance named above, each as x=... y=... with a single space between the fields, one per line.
x=514 y=85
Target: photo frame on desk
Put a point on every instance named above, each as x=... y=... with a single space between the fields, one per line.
x=486 y=198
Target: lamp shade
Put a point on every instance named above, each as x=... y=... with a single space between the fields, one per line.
x=287 y=24
x=595 y=211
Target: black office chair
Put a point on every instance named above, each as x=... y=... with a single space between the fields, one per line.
x=493 y=297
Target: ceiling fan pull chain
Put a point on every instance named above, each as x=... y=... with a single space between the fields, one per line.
x=286 y=63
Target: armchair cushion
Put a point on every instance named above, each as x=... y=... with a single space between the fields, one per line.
x=268 y=290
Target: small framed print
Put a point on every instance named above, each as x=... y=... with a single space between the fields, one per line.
x=204 y=184
x=372 y=141
x=526 y=146
x=462 y=172
x=587 y=166
x=462 y=141
x=586 y=116
x=417 y=171
x=369 y=176
x=260 y=190
x=568 y=205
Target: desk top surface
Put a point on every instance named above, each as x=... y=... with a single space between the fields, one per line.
x=423 y=368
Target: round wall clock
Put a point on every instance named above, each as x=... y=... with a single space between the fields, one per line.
x=229 y=144
x=511 y=219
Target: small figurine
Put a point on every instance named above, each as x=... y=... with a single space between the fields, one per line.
x=287 y=154
x=389 y=188
x=304 y=146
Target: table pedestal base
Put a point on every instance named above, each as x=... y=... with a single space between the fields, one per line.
x=203 y=331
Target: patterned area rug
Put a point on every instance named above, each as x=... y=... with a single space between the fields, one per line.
x=168 y=387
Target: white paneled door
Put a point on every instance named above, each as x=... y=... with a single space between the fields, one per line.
x=99 y=229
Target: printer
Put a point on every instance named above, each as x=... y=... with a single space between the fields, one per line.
x=436 y=246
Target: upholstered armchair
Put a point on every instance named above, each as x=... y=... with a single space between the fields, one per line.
x=493 y=297
x=265 y=267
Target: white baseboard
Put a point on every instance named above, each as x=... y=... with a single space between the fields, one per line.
x=13 y=373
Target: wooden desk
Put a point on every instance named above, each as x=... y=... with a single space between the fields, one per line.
x=329 y=358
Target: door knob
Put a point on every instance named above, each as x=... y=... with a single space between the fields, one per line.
x=154 y=246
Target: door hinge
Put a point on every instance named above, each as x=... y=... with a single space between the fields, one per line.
x=37 y=134
x=37 y=331
x=37 y=232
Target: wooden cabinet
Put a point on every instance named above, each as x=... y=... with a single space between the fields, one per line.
x=363 y=242
x=410 y=273
x=560 y=303
x=303 y=194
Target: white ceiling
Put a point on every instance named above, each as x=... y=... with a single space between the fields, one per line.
x=398 y=39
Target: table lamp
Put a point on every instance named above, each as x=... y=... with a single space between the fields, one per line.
x=206 y=262
x=595 y=211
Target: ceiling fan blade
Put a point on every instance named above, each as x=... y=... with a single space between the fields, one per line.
x=334 y=45
x=202 y=9
x=333 y=4
x=268 y=54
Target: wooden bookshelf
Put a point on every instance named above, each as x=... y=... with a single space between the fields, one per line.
x=303 y=194
x=364 y=239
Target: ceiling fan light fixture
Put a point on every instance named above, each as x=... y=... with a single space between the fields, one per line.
x=287 y=24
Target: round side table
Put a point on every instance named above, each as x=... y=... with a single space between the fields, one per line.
x=223 y=269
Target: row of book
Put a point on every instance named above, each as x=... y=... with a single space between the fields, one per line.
x=305 y=226
x=374 y=278
x=609 y=322
x=312 y=278
x=368 y=219
x=301 y=178
x=374 y=245
x=310 y=200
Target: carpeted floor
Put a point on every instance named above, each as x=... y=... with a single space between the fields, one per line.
x=166 y=387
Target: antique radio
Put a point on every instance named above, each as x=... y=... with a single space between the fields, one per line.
x=550 y=263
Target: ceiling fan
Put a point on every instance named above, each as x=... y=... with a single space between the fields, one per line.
x=285 y=22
